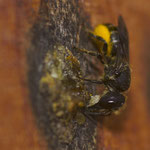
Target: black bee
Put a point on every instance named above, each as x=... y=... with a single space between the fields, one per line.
x=112 y=43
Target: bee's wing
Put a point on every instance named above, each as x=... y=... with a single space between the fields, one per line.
x=123 y=51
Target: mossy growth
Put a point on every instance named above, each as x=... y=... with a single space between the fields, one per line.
x=65 y=92
x=61 y=82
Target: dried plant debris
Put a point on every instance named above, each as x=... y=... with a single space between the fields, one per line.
x=66 y=95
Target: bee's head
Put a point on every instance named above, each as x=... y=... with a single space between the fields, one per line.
x=112 y=100
x=107 y=103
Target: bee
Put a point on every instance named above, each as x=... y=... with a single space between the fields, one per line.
x=112 y=43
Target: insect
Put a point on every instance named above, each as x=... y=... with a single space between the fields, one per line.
x=112 y=43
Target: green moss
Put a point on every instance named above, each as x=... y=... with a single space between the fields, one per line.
x=64 y=90
x=60 y=79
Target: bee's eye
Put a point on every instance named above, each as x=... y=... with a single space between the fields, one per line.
x=112 y=100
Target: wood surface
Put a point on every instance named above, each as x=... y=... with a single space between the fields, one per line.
x=17 y=124
x=18 y=130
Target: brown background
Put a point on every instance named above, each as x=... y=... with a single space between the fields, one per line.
x=17 y=125
x=135 y=131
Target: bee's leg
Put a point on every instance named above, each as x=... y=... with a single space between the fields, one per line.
x=93 y=81
x=102 y=113
x=92 y=53
x=91 y=119
x=99 y=39
x=96 y=37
